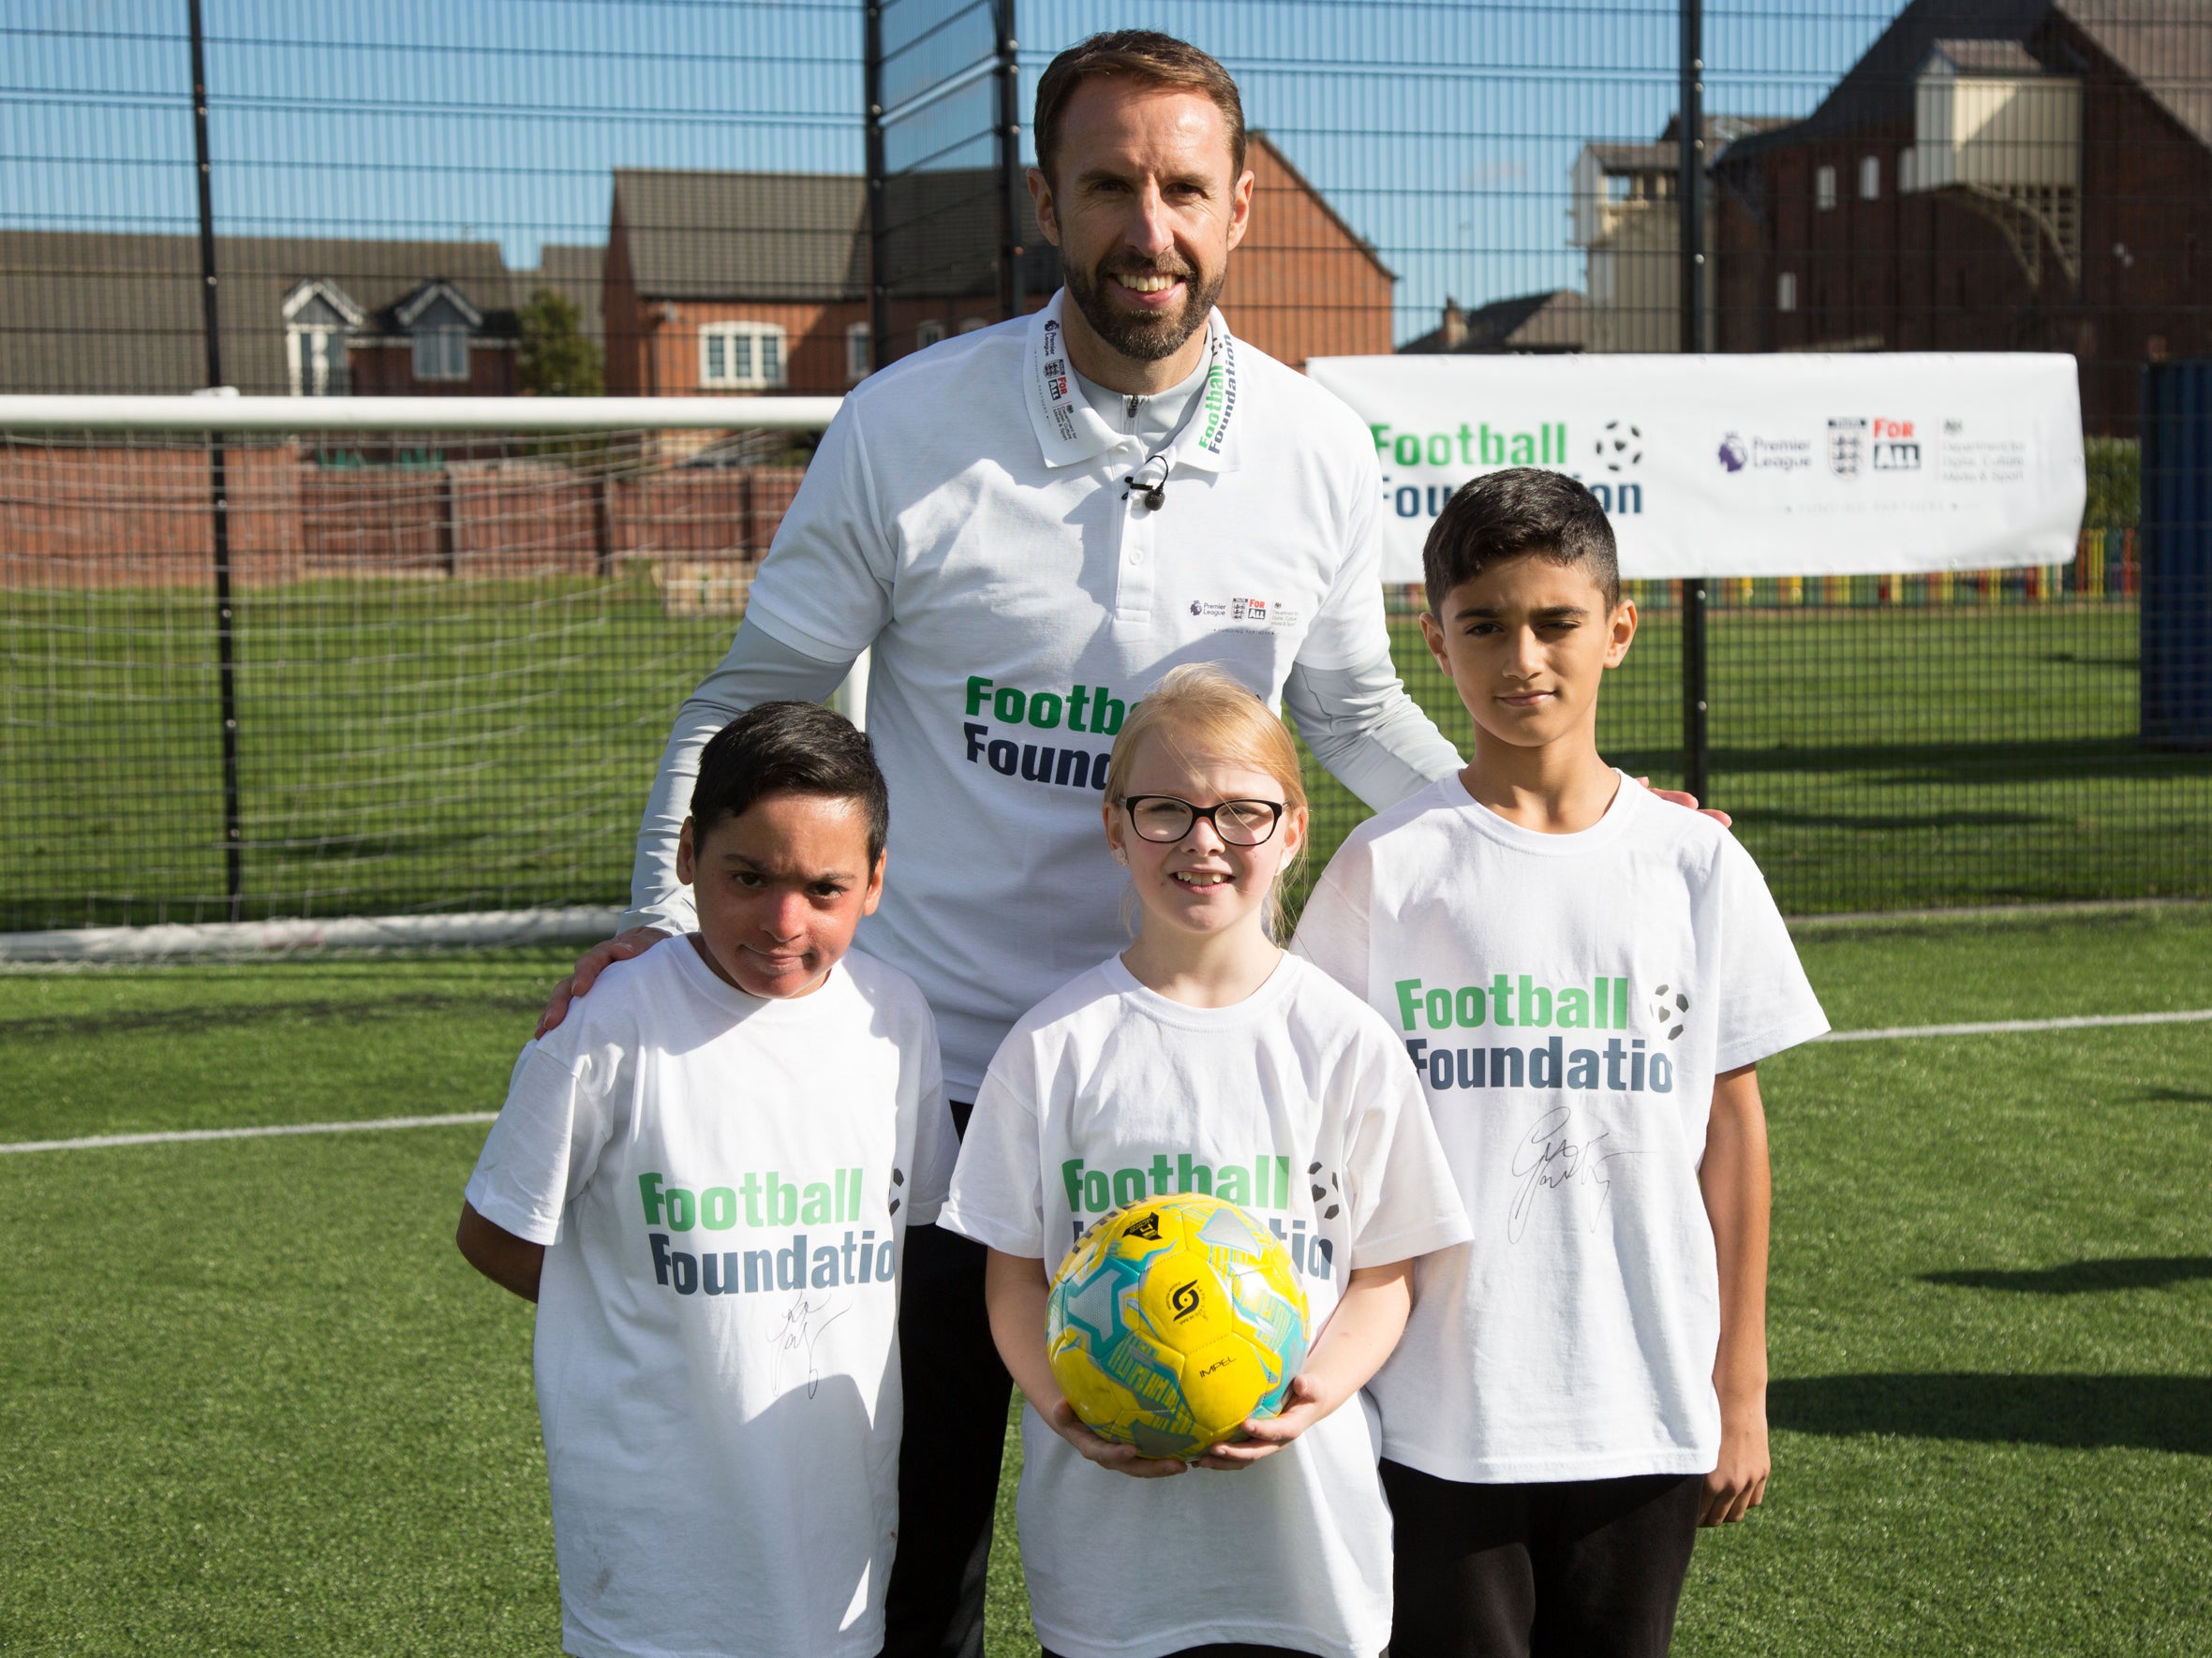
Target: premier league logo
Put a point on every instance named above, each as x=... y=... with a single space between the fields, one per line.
x=1846 y=446
x=1732 y=453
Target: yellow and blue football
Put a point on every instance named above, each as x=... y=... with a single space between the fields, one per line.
x=1172 y=1320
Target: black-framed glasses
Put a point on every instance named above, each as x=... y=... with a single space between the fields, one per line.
x=1167 y=817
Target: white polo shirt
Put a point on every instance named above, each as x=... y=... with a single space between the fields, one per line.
x=1019 y=598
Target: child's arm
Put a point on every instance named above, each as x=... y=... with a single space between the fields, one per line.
x=1015 y=1290
x=1739 y=1199
x=512 y=1262
x=1360 y=1334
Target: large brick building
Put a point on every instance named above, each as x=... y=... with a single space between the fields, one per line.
x=1991 y=175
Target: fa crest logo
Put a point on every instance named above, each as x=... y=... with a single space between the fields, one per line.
x=1846 y=446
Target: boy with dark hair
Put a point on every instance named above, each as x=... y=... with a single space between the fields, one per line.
x=703 y=1177
x=1586 y=982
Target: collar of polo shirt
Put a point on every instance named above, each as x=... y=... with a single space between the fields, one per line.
x=1068 y=429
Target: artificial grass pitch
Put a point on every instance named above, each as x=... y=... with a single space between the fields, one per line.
x=255 y=1403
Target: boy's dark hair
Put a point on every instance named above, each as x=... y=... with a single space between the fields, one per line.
x=790 y=748
x=1145 y=56
x=1521 y=512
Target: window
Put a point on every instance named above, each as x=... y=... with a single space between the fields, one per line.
x=1870 y=178
x=741 y=356
x=972 y=324
x=858 y=362
x=316 y=358
x=1907 y=170
x=1824 y=188
x=441 y=354
x=319 y=325
x=1786 y=291
x=928 y=334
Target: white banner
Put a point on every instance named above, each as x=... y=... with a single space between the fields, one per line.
x=1795 y=465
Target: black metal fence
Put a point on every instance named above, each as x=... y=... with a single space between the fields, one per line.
x=695 y=195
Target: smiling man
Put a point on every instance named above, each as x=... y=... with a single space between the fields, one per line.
x=1030 y=525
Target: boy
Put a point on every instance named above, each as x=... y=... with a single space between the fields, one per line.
x=705 y=1178
x=1586 y=982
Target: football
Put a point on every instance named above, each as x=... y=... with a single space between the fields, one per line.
x=1172 y=1320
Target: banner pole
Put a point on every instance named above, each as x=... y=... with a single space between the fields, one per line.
x=1690 y=158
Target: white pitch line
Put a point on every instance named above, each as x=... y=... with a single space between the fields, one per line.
x=93 y=1142
x=1985 y=1027
x=2002 y=1027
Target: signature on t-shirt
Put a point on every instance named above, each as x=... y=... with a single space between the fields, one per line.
x=802 y=1326
x=1549 y=1158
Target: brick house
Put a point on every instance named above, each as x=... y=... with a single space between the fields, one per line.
x=1992 y=175
x=107 y=312
x=1304 y=283
x=722 y=282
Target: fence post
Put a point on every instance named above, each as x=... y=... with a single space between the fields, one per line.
x=602 y=531
x=448 y=528
x=879 y=294
x=218 y=482
x=1012 y=298
x=1690 y=158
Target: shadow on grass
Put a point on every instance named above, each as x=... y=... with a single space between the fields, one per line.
x=2083 y=1277
x=1971 y=762
x=203 y=1020
x=2070 y=1411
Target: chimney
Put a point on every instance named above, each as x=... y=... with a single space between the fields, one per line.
x=1454 y=332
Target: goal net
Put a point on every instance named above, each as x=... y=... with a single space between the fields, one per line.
x=406 y=659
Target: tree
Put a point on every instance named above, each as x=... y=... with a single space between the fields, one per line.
x=555 y=359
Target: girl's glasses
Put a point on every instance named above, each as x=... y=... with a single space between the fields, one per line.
x=1167 y=817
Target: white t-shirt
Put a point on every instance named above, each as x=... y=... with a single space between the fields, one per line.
x=1296 y=1105
x=1567 y=1001
x=725 y=1185
x=1020 y=600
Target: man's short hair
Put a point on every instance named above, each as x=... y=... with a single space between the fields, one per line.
x=1142 y=55
x=790 y=748
x=1521 y=512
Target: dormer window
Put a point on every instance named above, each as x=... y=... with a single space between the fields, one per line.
x=320 y=321
x=442 y=353
x=439 y=324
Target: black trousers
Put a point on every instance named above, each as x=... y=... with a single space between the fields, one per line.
x=956 y=1392
x=1579 y=1569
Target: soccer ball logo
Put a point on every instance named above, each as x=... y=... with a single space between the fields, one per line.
x=1173 y=1321
x=1620 y=445
x=1667 y=1007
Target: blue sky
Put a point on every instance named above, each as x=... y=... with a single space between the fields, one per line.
x=1443 y=130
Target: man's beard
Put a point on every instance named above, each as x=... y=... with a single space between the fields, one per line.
x=1145 y=338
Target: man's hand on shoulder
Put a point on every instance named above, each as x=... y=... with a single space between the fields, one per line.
x=592 y=963
x=1676 y=797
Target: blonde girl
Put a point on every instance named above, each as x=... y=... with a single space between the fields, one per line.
x=1204 y=1058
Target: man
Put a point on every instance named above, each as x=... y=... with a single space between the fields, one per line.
x=1030 y=524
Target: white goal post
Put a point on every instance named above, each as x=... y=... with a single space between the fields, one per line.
x=221 y=409
x=403 y=664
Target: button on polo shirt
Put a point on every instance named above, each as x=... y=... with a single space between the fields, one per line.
x=969 y=516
